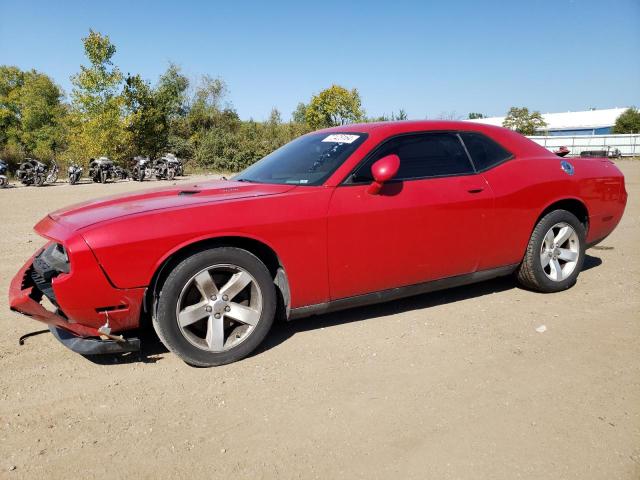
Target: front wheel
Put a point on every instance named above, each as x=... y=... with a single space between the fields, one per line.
x=555 y=253
x=216 y=306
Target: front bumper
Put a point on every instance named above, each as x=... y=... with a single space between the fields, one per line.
x=83 y=297
x=23 y=299
x=94 y=346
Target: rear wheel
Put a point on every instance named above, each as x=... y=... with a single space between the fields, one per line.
x=555 y=253
x=216 y=307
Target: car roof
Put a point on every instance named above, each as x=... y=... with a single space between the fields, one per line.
x=513 y=141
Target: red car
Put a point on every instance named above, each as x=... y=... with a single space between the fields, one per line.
x=337 y=218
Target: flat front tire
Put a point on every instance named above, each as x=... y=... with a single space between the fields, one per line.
x=555 y=253
x=216 y=306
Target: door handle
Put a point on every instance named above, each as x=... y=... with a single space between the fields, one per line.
x=476 y=190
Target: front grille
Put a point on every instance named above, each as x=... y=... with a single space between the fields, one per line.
x=46 y=266
x=43 y=285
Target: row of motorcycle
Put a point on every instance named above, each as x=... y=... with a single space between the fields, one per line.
x=101 y=170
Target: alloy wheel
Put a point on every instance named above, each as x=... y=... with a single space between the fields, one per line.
x=219 y=307
x=560 y=251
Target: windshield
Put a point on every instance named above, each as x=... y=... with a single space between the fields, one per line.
x=308 y=160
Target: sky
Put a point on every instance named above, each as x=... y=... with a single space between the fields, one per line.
x=432 y=59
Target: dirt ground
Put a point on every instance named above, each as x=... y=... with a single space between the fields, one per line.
x=456 y=384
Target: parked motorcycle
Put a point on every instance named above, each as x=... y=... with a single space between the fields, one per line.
x=4 y=181
x=142 y=169
x=120 y=173
x=32 y=172
x=164 y=169
x=75 y=172
x=52 y=175
x=176 y=162
x=101 y=169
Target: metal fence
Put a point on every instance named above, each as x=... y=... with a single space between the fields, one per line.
x=628 y=144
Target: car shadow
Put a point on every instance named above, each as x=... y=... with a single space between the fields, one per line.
x=152 y=349
x=283 y=330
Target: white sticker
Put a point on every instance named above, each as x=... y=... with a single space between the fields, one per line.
x=341 y=138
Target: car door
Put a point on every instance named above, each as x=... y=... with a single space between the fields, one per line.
x=426 y=224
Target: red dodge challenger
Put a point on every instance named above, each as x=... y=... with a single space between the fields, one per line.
x=337 y=218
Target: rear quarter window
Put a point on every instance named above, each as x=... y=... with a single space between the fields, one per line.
x=484 y=152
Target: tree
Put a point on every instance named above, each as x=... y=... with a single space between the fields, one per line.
x=524 y=122
x=475 y=115
x=334 y=106
x=153 y=112
x=31 y=113
x=98 y=117
x=628 y=121
x=299 y=114
x=146 y=121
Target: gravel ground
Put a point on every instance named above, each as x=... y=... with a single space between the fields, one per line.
x=457 y=384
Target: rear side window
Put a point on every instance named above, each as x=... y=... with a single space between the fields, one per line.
x=421 y=156
x=484 y=152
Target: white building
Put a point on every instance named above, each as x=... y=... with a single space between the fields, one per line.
x=588 y=122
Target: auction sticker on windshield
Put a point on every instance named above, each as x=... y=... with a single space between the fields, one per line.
x=341 y=138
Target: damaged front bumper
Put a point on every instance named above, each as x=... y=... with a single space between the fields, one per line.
x=25 y=298
x=84 y=303
x=94 y=346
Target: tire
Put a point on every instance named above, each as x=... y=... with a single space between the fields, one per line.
x=103 y=177
x=39 y=180
x=72 y=179
x=171 y=174
x=549 y=268
x=182 y=292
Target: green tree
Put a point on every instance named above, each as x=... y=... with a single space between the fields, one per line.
x=11 y=82
x=476 y=115
x=31 y=114
x=334 y=106
x=628 y=121
x=97 y=123
x=523 y=121
x=300 y=113
x=147 y=123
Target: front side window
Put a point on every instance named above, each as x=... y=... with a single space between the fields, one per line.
x=484 y=152
x=421 y=155
x=308 y=160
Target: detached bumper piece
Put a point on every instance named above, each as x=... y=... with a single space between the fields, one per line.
x=94 y=346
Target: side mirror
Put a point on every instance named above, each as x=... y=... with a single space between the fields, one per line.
x=383 y=170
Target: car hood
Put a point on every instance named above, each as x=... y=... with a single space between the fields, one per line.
x=180 y=196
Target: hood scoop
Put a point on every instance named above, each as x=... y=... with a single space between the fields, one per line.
x=188 y=192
